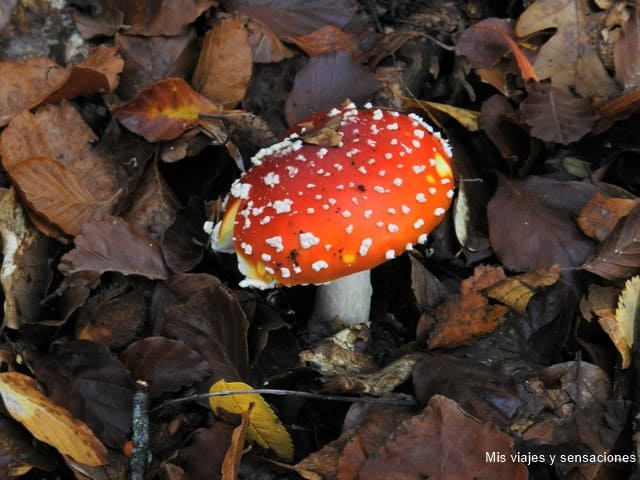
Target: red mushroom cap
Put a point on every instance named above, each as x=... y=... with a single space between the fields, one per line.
x=310 y=214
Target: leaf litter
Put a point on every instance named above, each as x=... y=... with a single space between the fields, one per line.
x=506 y=333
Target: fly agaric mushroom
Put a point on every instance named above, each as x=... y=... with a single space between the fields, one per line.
x=307 y=213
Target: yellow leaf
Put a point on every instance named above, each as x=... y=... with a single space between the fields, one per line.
x=265 y=428
x=49 y=422
x=621 y=331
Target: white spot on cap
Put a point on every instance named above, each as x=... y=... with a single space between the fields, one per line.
x=388 y=156
x=333 y=112
x=308 y=240
x=421 y=198
x=368 y=213
x=285 y=272
x=433 y=190
x=275 y=242
x=362 y=170
x=450 y=194
x=393 y=126
x=246 y=248
x=415 y=143
x=393 y=141
x=408 y=247
x=382 y=173
x=438 y=212
x=379 y=224
x=311 y=210
x=265 y=257
x=445 y=181
x=365 y=245
x=418 y=133
x=397 y=182
x=389 y=254
x=406 y=210
x=378 y=189
x=418 y=223
x=292 y=171
x=392 y=228
x=338 y=166
x=271 y=179
x=282 y=206
x=346 y=213
x=240 y=190
x=419 y=168
x=368 y=105
x=422 y=239
x=319 y=265
x=377 y=114
x=322 y=152
x=371 y=142
x=257 y=211
x=264 y=220
x=392 y=211
x=349 y=228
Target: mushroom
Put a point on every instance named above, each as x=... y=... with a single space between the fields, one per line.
x=345 y=191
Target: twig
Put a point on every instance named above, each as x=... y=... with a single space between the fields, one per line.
x=293 y=393
x=140 y=455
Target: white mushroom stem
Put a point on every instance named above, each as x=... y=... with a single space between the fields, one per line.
x=348 y=298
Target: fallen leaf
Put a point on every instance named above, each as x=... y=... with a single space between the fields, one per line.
x=231 y=463
x=618 y=257
x=18 y=445
x=531 y=222
x=164 y=110
x=325 y=81
x=25 y=273
x=89 y=381
x=202 y=458
x=150 y=59
x=598 y=218
x=265 y=45
x=489 y=40
x=166 y=365
x=99 y=73
x=424 y=445
x=326 y=39
x=292 y=18
x=200 y=311
x=49 y=422
x=167 y=18
x=556 y=115
x=225 y=64
x=515 y=292
x=484 y=277
x=462 y=318
x=105 y=23
x=622 y=331
x=265 y=428
x=25 y=84
x=112 y=245
x=63 y=179
x=569 y=57
x=55 y=192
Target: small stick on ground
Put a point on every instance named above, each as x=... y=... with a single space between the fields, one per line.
x=140 y=454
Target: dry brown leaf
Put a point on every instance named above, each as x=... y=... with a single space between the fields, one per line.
x=292 y=18
x=99 y=73
x=425 y=446
x=112 y=245
x=569 y=57
x=166 y=18
x=225 y=64
x=63 y=178
x=55 y=192
x=164 y=110
x=484 y=276
x=266 y=46
x=327 y=80
x=25 y=273
x=598 y=218
x=328 y=38
x=231 y=462
x=618 y=257
x=622 y=331
x=48 y=422
x=556 y=115
x=516 y=292
x=462 y=318
x=25 y=84
x=531 y=222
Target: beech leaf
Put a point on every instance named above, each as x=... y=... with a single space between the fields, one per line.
x=556 y=115
x=569 y=57
x=531 y=222
x=265 y=428
x=622 y=331
x=164 y=110
x=112 y=245
x=49 y=422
